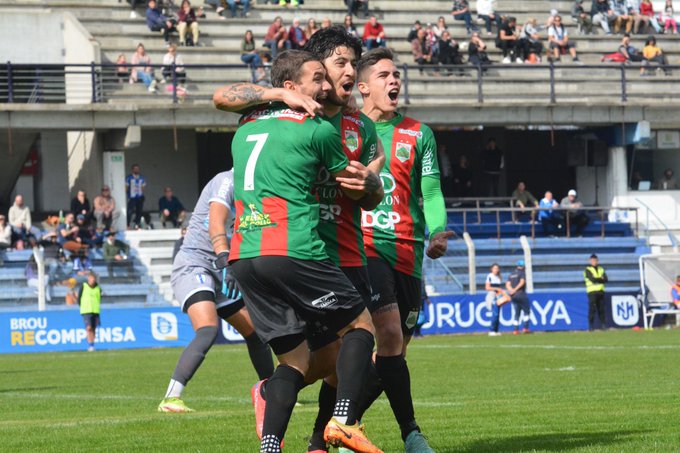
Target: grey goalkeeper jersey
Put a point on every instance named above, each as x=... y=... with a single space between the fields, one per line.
x=220 y=189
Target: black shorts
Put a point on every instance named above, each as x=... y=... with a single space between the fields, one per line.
x=224 y=311
x=91 y=320
x=284 y=295
x=393 y=287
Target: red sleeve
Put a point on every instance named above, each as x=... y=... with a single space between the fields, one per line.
x=270 y=32
x=367 y=31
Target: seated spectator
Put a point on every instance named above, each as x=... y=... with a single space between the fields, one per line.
x=105 y=209
x=462 y=178
x=5 y=233
x=647 y=16
x=413 y=32
x=32 y=281
x=667 y=181
x=622 y=15
x=80 y=205
x=461 y=11
x=530 y=42
x=251 y=56
x=156 y=21
x=171 y=209
x=353 y=7
x=508 y=39
x=187 y=20
x=668 y=18
x=653 y=54
x=629 y=52
x=486 y=12
x=326 y=23
x=116 y=253
x=477 y=52
x=169 y=59
x=20 y=220
x=559 y=41
x=522 y=198
x=277 y=37
x=440 y=27
x=577 y=219
x=297 y=35
x=311 y=28
x=87 y=234
x=422 y=51
x=374 y=34
x=122 y=69
x=675 y=292
x=141 y=69
x=550 y=219
x=582 y=18
x=67 y=236
x=449 y=51
x=179 y=242
x=349 y=26
x=133 y=6
x=234 y=4
x=602 y=15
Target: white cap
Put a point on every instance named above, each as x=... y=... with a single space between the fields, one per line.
x=571 y=192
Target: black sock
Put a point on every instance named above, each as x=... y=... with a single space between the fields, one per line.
x=352 y=368
x=372 y=390
x=396 y=381
x=260 y=356
x=282 y=390
x=327 y=396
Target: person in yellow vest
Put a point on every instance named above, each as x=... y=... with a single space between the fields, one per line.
x=595 y=278
x=675 y=292
x=89 y=299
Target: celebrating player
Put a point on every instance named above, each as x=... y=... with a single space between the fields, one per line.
x=394 y=233
x=198 y=277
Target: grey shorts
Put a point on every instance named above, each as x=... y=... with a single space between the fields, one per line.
x=192 y=272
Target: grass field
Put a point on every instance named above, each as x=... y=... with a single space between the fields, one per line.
x=587 y=392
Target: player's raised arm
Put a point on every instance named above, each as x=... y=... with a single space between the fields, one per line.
x=378 y=160
x=239 y=97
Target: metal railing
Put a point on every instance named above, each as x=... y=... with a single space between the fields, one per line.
x=648 y=211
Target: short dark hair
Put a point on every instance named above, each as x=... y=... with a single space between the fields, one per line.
x=371 y=58
x=324 y=42
x=288 y=66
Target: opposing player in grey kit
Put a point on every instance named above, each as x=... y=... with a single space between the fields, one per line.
x=206 y=290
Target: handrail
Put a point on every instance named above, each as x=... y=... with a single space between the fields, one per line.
x=447 y=271
x=671 y=236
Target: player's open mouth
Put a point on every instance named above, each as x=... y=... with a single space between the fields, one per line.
x=348 y=86
x=393 y=94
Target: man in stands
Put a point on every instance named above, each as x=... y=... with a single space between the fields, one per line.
x=602 y=15
x=668 y=181
x=296 y=35
x=135 y=184
x=595 y=278
x=559 y=40
x=374 y=34
x=156 y=21
x=572 y=206
x=353 y=7
x=522 y=198
x=20 y=220
x=461 y=11
x=171 y=209
x=105 y=209
x=549 y=218
x=675 y=292
x=277 y=37
x=116 y=253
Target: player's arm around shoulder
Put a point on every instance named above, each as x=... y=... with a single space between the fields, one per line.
x=241 y=97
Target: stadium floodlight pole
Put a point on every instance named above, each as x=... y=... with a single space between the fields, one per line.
x=40 y=261
x=472 y=263
x=528 y=265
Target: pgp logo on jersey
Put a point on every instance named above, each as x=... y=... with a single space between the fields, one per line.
x=625 y=310
x=164 y=326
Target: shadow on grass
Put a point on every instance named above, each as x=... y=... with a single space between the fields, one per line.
x=547 y=442
x=27 y=389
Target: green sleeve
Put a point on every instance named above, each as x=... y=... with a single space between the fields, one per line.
x=328 y=145
x=433 y=204
x=109 y=252
x=428 y=155
x=370 y=144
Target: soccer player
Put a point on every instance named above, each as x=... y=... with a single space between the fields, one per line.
x=280 y=261
x=206 y=290
x=394 y=233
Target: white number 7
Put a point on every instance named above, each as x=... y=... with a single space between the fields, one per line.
x=249 y=177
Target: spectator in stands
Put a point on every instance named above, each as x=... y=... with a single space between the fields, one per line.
x=462 y=177
x=171 y=209
x=326 y=23
x=595 y=278
x=559 y=41
x=374 y=34
x=431 y=38
x=667 y=181
x=516 y=287
x=170 y=58
x=602 y=15
x=647 y=16
x=629 y=52
x=89 y=299
x=277 y=37
x=32 y=281
x=251 y=56
x=495 y=297
x=234 y=4
x=461 y=11
x=508 y=39
x=549 y=218
x=20 y=220
x=449 y=52
x=477 y=54
x=80 y=205
x=485 y=11
x=297 y=35
x=492 y=164
x=440 y=27
x=422 y=51
x=122 y=68
x=530 y=42
x=668 y=18
x=582 y=18
x=141 y=69
x=86 y=233
x=675 y=292
x=311 y=28
x=349 y=26
x=133 y=6
x=5 y=233
x=622 y=15
x=105 y=209
x=135 y=184
x=653 y=54
x=572 y=211
x=116 y=253
x=179 y=242
x=523 y=199
x=156 y=21
x=413 y=32
x=353 y=7
x=187 y=20
x=67 y=236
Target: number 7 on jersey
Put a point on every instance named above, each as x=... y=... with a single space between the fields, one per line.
x=249 y=177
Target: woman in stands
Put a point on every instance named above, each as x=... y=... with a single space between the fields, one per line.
x=311 y=28
x=348 y=24
x=669 y=18
x=477 y=51
x=141 y=69
x=653 y=54
x=187 y=20
x=251 y=57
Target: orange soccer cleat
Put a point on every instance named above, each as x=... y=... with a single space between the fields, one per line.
x=351 y=436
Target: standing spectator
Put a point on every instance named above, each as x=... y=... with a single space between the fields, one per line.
x=595 y=278
x=234 y=4
x=251 y=56
x=571 y=207
x=134 y=186
x=492 y=164
x=311 y=28
x=477 y=56
x=413 y=32
x=675 y=293
x=349 y=26
x=516 y=287
x=187 y=20
x=485 y=10
x=653 y=54
x=5 y=233
x=374 y=34
x=602 y=15
x=171 y=209
x=277 y=37
x=462 y=178
x=67 y=236
x=559 y=40
x=169 y=59
x=669 y=18
x=179 y=242
x=116 y=254
x=141 y=68
x=647 y=16
x=105 y=209
x=623 y=15
x=80 y=205
x=629 y=52
x=550 y=219
x=353 y=7
x=582 y=18
x=496 y=297
x=156 y=21
x=507 y=40
x=449 y=52
x=20 y=220
x=422 y=51
x=530 y=42
x=297 y=35
x=666 y=182
x=122 y=68
x=89 y=299
x=461 y=11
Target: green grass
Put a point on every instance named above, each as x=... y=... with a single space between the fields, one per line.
x=584 y=392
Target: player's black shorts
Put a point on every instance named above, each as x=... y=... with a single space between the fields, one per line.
x=317 y=335
x=91 y=320
x=394 y=287
x=284 y=295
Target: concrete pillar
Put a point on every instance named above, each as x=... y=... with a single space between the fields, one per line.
x=617 y=175
x=52 y=190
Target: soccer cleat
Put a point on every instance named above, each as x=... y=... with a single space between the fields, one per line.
x=525 y=330
x=352 y=437
x=173 y=404
x=417 y=443
x=515 y=332
x=259 y=404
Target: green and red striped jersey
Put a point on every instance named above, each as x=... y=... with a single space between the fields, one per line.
x=340 y=217
x=395 y=229
x=277 y=155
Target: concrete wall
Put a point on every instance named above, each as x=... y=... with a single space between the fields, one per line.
x=52 y=190
x=80 y=48
x=44 y=27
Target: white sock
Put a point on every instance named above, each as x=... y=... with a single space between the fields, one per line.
x=174 y=389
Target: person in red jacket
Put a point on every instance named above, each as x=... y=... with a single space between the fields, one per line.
x=374 y=34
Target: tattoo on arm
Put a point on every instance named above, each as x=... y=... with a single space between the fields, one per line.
x=244 y=93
